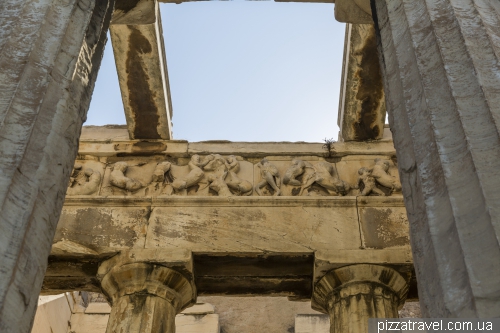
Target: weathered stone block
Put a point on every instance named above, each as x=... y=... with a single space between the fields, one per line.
x=103 y=229
x=257 y=225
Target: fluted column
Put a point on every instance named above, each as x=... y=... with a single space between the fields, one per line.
x=145 y=296
x=440 y=61
x=353 y=294
x=50 y=52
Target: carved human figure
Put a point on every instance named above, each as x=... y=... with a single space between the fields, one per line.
x=270 y=175
x=232 y=164
x=380 y=172
x=118 y=178
x=327 y=177
x=77 y=176
x=84 y=182
x=160 y=171
x=365 y=177
x=196 y=174
x=240 y=186
x=216 y=163
x=296 y=169
x=218 y=184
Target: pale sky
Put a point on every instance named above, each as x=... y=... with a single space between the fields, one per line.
x=243 y=71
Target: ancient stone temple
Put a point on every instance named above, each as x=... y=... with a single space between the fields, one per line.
x=152 y=226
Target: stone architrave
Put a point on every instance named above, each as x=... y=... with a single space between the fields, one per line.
x=441 y=72
x=50 y=52
x=353 y=294
x=147 y=289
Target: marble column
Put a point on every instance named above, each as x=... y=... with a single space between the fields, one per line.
x=353 y=294
x=145 y=296
x=440 y=62
x=50 y=52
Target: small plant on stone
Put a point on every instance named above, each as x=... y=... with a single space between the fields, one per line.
x=328 y=146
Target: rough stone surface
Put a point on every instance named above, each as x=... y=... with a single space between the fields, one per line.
x=316 y=323
x=50 y=54
x=440 y=63
x=52 y=315
x=257 y=314
x=206 y=323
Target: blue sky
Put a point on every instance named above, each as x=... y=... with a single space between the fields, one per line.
x=243 y=71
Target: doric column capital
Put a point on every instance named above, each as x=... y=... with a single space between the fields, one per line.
x=165 y=275
x=362 y=279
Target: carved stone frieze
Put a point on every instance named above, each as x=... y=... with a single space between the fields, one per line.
x=270 y=176
x=378 y=174
x=231 y=175
x=119 y=179
x=322 y=174
x=85 y=180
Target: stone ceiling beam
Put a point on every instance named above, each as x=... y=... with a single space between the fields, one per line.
x=362 y=109
x=137 y=39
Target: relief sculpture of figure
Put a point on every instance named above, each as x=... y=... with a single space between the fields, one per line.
x=322 y=173
x=368 y=181
x=196 y=174
x=296 y=169
x=118 y=178
x=380 y=172
x=270 y=175
x=215 y=163
x=240 y=186
x=326 y=177
x=219 y=185
x=160 y=171
x=83 y=181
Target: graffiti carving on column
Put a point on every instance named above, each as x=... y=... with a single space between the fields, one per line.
x=308 y=176
x=119 y=179
x=270 y=176
x=377 y=180
x=83 y=181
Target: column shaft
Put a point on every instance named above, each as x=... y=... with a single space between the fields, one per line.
x=441 y=72
x=140 y=313
x=350 y=309
x=50 y=51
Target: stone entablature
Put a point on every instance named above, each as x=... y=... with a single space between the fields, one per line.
x=201 y=201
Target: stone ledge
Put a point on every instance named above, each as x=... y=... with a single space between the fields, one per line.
x=183 y=201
